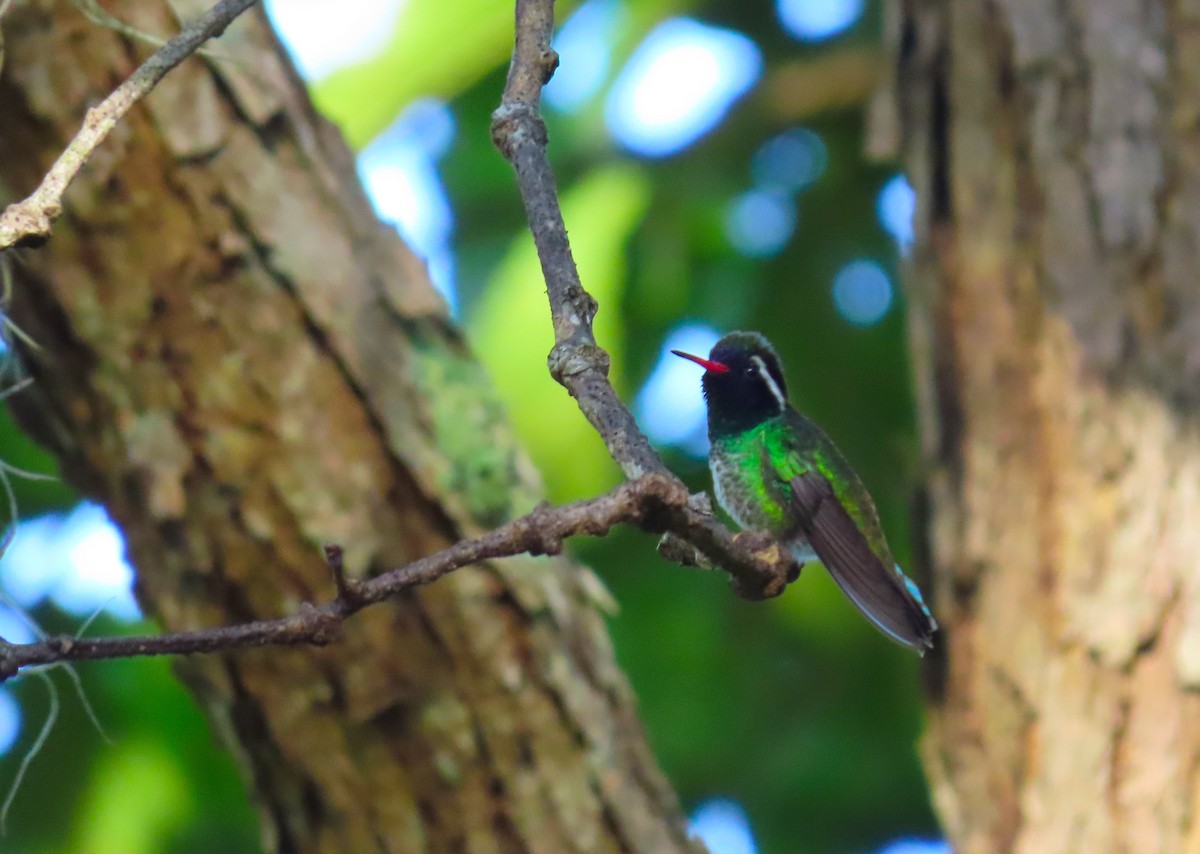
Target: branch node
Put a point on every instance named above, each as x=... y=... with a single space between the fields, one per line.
x=29 y=224
x=8 y=662
x=571 y=359
x=61 y=645
x=318 y=625
x=658 y=499
x=515 y=123
x=540 y=533
x=668 y=490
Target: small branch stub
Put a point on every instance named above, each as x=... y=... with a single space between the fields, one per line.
x=549 y=64
x=349 y=590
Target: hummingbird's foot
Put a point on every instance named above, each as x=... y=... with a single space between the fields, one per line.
x=680 y=551
x=701 y=503
x=768 y=549
x=755 y=541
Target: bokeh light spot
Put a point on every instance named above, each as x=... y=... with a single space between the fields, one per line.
x=399 y=170
x=862 y=292
x=75 y=559
x=678 y=84
x=584 y=42
x=916 y=846
x=13 y=626
x=670 y=406
x=791 y=160
x=759 y=223
x=33 y=562
x=895 y=207
x=817 y=20
x=321 y=42
x=99 y=575
x=722 y=825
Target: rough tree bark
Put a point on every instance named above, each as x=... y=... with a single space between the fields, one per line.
x=241 y=363
x=1056 y=332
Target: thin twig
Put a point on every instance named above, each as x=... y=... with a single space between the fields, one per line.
x=348 y=589
x=656 y=503
x=32 y=752
x=29 y=222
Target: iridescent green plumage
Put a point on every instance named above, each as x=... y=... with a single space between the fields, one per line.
x=776 y=471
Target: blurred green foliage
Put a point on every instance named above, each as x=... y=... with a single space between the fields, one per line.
x=795 y=707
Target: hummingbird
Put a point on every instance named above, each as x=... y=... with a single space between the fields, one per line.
x=776 y=472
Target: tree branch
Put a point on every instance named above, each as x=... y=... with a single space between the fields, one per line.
x=576 y=360
x=653 y=498
x=28 y=223
x=654 y=503
x=759 y=569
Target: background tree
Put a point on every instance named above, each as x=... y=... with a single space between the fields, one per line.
x=821 y=751
x=1053 y=150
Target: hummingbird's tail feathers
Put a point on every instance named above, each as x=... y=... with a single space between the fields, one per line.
x=884 y=595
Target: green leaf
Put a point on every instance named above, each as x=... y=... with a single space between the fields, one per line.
x=138 y=772
x=438 y=48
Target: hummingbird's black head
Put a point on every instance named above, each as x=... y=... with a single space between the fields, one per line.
x=743 y=383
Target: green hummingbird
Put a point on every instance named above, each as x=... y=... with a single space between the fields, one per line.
x=777 y=472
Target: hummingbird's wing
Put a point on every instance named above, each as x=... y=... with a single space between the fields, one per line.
x=884 y=595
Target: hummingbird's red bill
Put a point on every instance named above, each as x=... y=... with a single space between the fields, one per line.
x=707 y=364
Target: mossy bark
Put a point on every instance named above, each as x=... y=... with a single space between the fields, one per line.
x=1056 y=332
x=242 y=364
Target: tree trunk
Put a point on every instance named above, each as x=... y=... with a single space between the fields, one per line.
x=1056 y=328
x=241 y=363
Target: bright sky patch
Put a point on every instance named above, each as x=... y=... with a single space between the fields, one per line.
x=399 y=170
x=670 y=406
x=678 y=85
x=895 y=207
x=722 y=825
x=817 y=20
x=76 y=559
x=584 y=46
x=321 y=41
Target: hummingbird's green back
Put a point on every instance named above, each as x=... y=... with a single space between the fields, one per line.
x=796 y=446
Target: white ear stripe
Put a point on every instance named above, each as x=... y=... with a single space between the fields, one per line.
x=761 y=367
